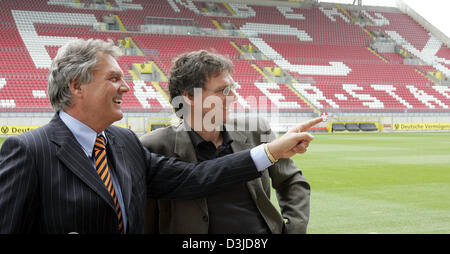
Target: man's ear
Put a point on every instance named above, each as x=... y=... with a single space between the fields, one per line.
x=74 y=87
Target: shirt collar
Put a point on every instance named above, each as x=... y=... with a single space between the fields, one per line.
x=197 y=139
x=83 y=134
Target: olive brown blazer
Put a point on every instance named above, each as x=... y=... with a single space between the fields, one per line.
x=191 y=216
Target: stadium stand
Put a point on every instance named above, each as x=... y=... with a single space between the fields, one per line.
x=304 y=60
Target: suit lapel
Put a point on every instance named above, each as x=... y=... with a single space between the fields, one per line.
x=183 y=145
x=70 y=153
x=185 y=149
x=240 y=143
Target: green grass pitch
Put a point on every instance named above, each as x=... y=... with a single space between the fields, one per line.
x=378 y=183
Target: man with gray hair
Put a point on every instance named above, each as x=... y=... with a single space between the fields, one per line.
x=80 y=174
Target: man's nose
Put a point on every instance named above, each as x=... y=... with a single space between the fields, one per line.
x=124 y=87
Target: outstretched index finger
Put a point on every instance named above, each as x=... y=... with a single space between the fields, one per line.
x=307 y=125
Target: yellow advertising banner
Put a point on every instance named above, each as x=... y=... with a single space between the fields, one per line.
x=421 y=126
x=16 y=129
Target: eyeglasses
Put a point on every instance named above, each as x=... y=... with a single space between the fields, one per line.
x=226 y=90
x=229 y=88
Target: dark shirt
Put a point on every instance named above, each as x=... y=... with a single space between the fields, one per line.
x=232 y=210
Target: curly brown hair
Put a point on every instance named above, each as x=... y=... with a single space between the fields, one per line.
x=192 y=70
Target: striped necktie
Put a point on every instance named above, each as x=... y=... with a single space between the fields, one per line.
x=101 y=164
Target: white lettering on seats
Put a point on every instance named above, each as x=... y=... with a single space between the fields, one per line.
x=252 y=30
x=187 y=4
x=144 y=92
x=5 y=103
x=330 y=13
x=380 y=20
x=288 y=13
x=368 y=100
x=277 y=98
x=390 y=89
x=314 y=98
x=425 y=98
x=35 y=43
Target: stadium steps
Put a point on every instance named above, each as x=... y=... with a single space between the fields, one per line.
x=160 y=90
x=153 y=66
x=219 y=27
x=227 y=6
x=315 y=109
x=368 y=32
x=362 y=27
x=345 y=12
x=424 y=75
x=134 y=75
x=245 y=55
x=350 y=16
x=121 y=26
x=140 y=53
x=162 y=75
x=269 y=79
x=378 y=55
x=206 y=11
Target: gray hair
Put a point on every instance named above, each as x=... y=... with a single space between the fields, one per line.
x=75 y=61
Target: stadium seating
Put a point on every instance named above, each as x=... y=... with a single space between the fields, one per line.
x=327 y=56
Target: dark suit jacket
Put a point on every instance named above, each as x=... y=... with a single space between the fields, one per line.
x=190 y=216
x=48 y=184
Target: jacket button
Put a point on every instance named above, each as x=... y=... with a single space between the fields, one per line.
x=205 y=218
